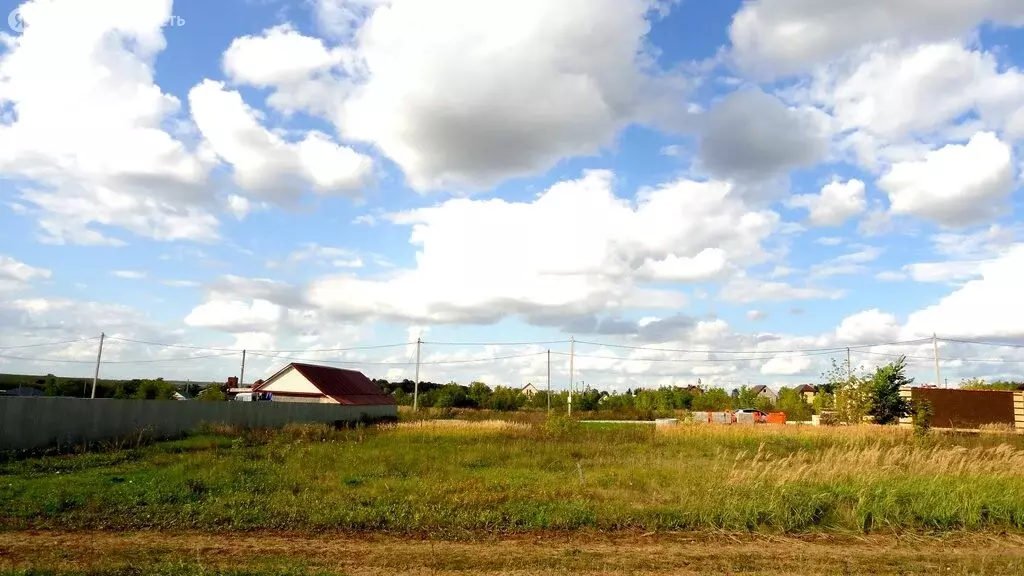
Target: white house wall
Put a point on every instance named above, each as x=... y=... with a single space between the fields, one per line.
x=291 y=381
x=304 y=399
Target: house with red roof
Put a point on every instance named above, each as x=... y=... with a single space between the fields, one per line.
x=808 y=391
x=324 y=385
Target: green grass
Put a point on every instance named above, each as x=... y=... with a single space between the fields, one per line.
x=457 y=478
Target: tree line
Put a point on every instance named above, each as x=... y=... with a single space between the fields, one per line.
x=639 y=401
x=134 y=389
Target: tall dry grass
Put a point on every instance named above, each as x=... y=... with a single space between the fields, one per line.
x=451 y=476
x=877 y=462
x=457 y=426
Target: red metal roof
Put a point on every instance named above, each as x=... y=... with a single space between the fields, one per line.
x=348 y=387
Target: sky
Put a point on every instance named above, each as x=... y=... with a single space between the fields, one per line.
x=740 y=192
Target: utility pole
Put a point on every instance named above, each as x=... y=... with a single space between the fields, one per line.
x=99 y=358
x=416 y=385
x=935 y=348
x=549 y=381
x=241 y=377
x=849 y=370
x=572 y=356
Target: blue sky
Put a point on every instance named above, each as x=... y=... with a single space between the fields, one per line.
x=766 y=177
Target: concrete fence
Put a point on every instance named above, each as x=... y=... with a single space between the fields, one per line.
x=31 y=423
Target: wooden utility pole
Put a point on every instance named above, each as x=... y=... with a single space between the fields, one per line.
x=572 y=356
x=416 y=385
x=99 y=358
x=549 y=381
x=849 y=369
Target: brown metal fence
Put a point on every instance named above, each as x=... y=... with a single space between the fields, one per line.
x=955 y=408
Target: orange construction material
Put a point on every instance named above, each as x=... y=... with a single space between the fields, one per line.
x=777 y=418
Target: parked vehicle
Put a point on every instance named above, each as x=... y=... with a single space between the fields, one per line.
x=253 y=397
x=759 y=417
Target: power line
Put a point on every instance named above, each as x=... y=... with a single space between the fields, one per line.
x=146 y=361
x=164 y=345
x=793 y=351
x=536 y=343
x=930 y=358
x=41 y=344
x=981 y=343
x=375 y=363
x=697 y=360
x=349 y=349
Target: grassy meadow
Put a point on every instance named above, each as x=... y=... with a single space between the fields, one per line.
x=458 y=479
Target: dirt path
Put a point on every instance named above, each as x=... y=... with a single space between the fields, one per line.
x=557 y=553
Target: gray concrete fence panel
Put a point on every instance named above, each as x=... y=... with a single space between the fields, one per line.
x=33 y=423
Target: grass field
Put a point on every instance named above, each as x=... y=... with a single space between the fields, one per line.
x=459 y=483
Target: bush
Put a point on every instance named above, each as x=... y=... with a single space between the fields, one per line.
x=561 y=426
x=829 y=419
x=921 y=411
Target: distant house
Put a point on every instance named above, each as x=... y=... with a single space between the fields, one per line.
x=529 y=390
x=808 y=391
x=763 y=391
x=322 y=384
x=179 y=396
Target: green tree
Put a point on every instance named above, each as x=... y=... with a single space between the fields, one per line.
x=506 y=399
x=480 y=394
x=712 y=400
x=452 y=396
x=212 y=394
x=793 y=404
x=154 y=390
x=745 y=397
x=852 y=393
x=981 y=384
x=887 y=406
x=823 y=402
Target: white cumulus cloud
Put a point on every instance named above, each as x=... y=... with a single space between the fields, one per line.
x=837 y=203
x=956 y=185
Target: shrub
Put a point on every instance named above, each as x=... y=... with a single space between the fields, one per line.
x=921 y=411
x=829 y=419
x=561 y=426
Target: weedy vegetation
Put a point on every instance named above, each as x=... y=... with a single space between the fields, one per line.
x=456 y=478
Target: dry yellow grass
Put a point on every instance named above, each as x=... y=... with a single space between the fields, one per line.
x=878 y=462
x=456 y=477
x=457 y=426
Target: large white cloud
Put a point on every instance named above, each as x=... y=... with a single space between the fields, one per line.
x=299 y=68
x=983 y=308
x=576 y=250
x=465 y=93
x=956 y=185
x=896 y=91
x=868 y=327
x=88 y=125
x=266 y=164
x=781 y=36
